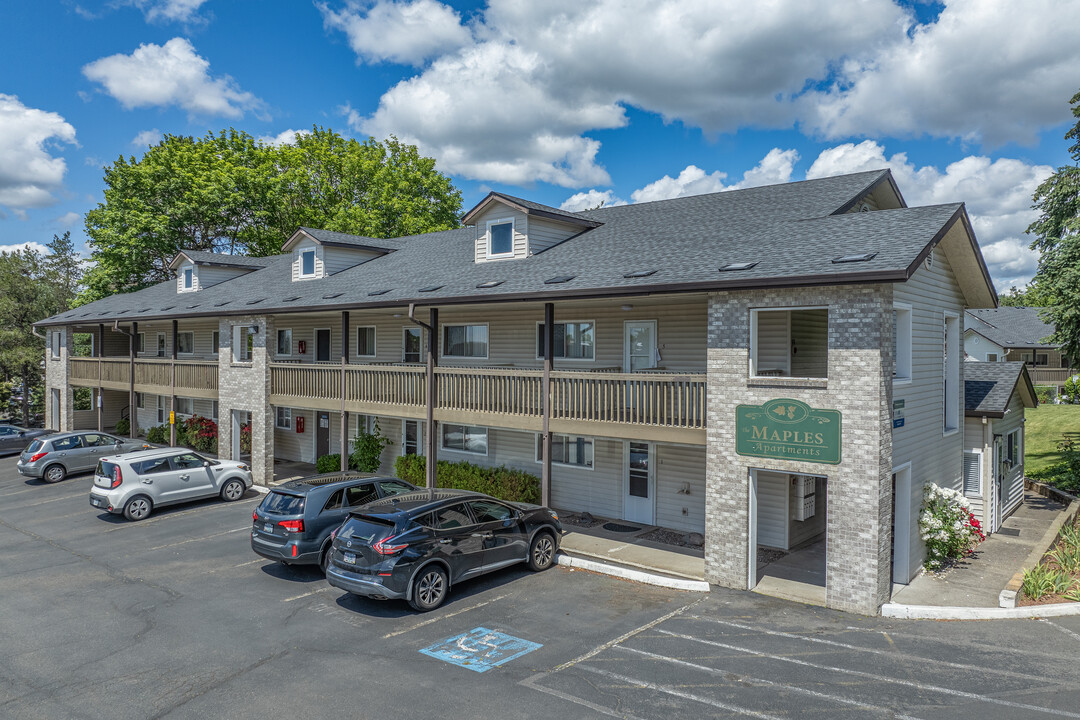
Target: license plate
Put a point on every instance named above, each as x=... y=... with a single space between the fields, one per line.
x=95 y=502
x=350 y=558
x=268 y=527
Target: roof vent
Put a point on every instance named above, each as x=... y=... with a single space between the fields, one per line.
x=294 y=298
x=430 y=288
x=861 y=257
x=737 y=266
x=865 y=207
x=254 y=302
x=331 y=296
x=489 y=284
x=223 y=302
x=559 y=279
x=167 y=307
x=378 y=292
x=639 y=274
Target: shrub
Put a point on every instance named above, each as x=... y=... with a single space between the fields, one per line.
x=1038 y=581
x=158 y=435
x=501 y=482
x=200 y=434
x=1071 y=391
x=1045 y=393
x=123 y=426
x=245 y=438
x=947 y=526
x=367 y=450
x=1064 y=475
x=328 y=463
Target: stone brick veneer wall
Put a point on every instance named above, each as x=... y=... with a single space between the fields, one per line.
x=859 y=385
x=56 y=377
x=246 y=387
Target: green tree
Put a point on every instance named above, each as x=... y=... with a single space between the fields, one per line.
x=1031 y=296
x=1057 y=238
x=227 y=192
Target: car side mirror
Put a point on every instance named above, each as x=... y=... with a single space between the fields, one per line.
x=206 y=463
x=22 y=433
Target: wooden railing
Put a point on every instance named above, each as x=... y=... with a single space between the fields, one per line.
x=499 y=391
x=657 y=399
x=386 y=385
x=84 y=368
x=1051 y=376
x=190 y=374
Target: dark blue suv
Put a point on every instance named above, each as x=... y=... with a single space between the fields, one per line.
x=292 y=524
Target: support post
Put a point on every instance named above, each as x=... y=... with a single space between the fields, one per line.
x=133 y=416
x=172 y=387
x=344 y=413
x=430 y=447
x=549 y=359
x=99 y=347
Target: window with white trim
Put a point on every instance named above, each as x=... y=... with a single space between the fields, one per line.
x=365 y=341
x=410 y=344
x=500 y=238
x=185 y=343
x=789 y=342
x=464 y=438
x=214 y=410
x=575 y=340
x=572 y=450
x=140 y=343
x=412 y=437
x=215 y=341
x=161 y=345
x=54 y=343
x=1013 y=451
x=189 y=278
x=284 y=418
x=284 y=342
x=307 y=263
x=465 y=341
x=243 y=343
x=902 y=342
x=140 y=400
x=185 y=406
x=951 y=351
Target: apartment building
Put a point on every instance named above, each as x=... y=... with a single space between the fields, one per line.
x=1018 y=334
x=771 y=367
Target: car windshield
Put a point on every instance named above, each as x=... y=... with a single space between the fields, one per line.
x=366 y=528
x=34 y=446
x=283 y=504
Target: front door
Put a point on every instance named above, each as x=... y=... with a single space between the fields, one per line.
x=640 y=483
x=639 y=345
x=322 y=435
x=322 y=345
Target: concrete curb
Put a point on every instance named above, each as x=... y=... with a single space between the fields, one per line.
x=629 y=574
x=929 y=612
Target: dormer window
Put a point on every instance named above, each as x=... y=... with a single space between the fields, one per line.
x=500 y=238
x=307 y=262
x=189 y=279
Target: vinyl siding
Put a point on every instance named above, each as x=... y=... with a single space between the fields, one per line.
x=934 y=457
x=546 y=233
x=772 y=509
x=201 y=327
x=973 y=442
x=772 y=342
x=336 y=259
x=320 y=265
x=498 y=211
x=976 y=347
x=677 y=466
x=810 y=343
x=1013 y=485
x=209 y=276
x=801 y=531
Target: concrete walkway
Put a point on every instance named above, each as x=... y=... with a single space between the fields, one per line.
x=628 y=550
x=978 y=580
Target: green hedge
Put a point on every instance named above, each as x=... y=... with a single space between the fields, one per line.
x=1045 y=393
x=328 y=463
x=501 y=482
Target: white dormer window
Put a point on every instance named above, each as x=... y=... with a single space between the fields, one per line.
x=500 y=238
x=189 y=278
x=307 y=263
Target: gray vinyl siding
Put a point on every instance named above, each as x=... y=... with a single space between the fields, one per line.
x=973 y=442
x=772 y=509
x=810 y=343
x=546 y=233
x=201 y=327
x=1013 y=485
x=320 y=266
x=801 y=531
x=209 y=276
x=934 y=457
x=977 y=347
x=195 y=280
x=772 y=342
x=678 y=467
x=336 y=259
x=116 y=344
x=498 y=211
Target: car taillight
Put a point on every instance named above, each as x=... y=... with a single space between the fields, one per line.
x=254 y=516
x=38 y=456
x=118 y=477
x=292 y=525
x=384 y=547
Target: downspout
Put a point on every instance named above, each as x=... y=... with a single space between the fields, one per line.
x=99 y=351
x=429 y=439
x=172 y=387
x=549 y=360
x=344 y=451
x=133 y=425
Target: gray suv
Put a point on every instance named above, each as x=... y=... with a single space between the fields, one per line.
x=54 y=457
x=136 y=483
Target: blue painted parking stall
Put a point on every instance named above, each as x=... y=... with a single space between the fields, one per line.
x=480 y=649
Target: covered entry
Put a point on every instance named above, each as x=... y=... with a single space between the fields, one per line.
x=787 y=532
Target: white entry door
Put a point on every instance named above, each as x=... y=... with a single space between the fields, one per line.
x=639 y=345
x=640 y=485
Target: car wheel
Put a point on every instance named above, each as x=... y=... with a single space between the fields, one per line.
x=137 y=508
x=541 y=551
x=54 y=473
x=324 y=559
x=428 y=589
x=232 y=490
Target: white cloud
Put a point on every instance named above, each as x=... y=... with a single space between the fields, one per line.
x=774 y=168
x=164 y=11
x=285 y=137
x=401 y=32
x=590 y=200
x=997 y=194
x=146 y=137
x=29 y=172
x=38 y=247
x=170 y=74
x=987 y=70
x=69 y=219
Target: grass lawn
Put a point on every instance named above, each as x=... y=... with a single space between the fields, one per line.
x=1046 y=426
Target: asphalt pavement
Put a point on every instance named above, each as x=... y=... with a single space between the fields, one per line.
x=176 y=617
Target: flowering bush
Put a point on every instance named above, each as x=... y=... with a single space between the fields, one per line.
x=947 y=526
x=245 y=439
x=201 y=434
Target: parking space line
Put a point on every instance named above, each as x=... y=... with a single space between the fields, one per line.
x=50 y=500
x=1065 y=630
x=880 y=678
x=734 y=677
x=418 y=625
x=204 y=537
x=182 y=513
x=308 y=594
x=576 y=700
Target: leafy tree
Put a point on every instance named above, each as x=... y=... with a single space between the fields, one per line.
x=1057 y=238
x=1031 y=296
x=227 y=192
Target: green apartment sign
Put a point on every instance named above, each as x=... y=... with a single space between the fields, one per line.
x=787 y=429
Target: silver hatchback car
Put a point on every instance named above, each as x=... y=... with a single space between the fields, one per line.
x=54 y=457
x=136 y=483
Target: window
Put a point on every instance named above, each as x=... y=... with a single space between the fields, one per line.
x=1012 y=448
x=149 y=467
x=1041 y=359
x=465 y=341
x=284 y=342
x=140 y=400
x=902 y=342
x=215 y=341
x=334 y=502
x=394 y=487
x=68 y=443
x=410 y=349
x=214 y=410
x=950 y=364
x=452 y=517
x=161 y=344
x=500 y=238
x=187 y=461
x=54 y=343
x=365 y=342
x=284 y=418
x=185 y=343
x=973 y=474
x=567 y=450
x=140 y=343
x=789 y=342
x=412 y=441
x=464 y=438
x=243 y=343
x=360 y=495
x=185 y=406
x=486 y=511
x=189 y=278
x=573 y=340
x=162 y=410
x=991 y=357
x=307 y=262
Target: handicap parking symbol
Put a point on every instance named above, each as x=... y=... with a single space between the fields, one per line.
x=480 y=649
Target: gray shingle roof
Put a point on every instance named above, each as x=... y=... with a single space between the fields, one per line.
x=988 y=386
x=202 y=257
x=788 y=230
x=331 y=237
x=1012 y=327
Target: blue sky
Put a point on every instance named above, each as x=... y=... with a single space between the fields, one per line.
x=566 y=102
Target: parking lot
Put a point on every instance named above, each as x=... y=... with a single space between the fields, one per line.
x=176 y=617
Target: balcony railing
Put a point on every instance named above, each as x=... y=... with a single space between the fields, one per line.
x=1051 y=376
x=193 y=377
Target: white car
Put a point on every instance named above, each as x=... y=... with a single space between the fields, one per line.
x=136 y=483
